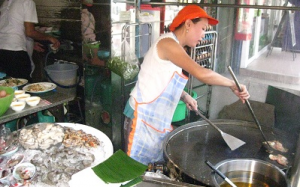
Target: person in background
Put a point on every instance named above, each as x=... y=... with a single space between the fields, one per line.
x=17 y=21
x=30 y=46
x=90 y=45
x=161 y=83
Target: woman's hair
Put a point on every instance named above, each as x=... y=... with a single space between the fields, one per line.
x=195 y=20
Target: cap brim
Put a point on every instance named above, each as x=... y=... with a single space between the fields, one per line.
x=212 y=21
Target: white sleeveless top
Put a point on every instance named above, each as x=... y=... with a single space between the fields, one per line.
x=154 y=74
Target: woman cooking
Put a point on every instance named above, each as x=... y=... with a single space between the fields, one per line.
x=160 y=85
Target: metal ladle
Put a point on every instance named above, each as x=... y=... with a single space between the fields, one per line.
x=250 y=108
x=220 y=174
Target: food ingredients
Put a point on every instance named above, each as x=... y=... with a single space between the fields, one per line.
x=282 y=160
x=13 y=82
x=41 y=136
x=122 y=68
x=4 y=173
x=35 y=88
x=24 y=173
x=58 y=164
x=276 y=145
x=78 y=138
x=16 y=159
x=2 y=93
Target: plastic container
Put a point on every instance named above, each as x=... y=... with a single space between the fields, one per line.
x=12 y=125
x=103 y=54
x=6 y=101
x=64 y=76
x=180 y=111
x=45 y=118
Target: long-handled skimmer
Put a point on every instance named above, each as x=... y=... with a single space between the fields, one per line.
x=249 y=107
x=220 y=174
x=231 y=141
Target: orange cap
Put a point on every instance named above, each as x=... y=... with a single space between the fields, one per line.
x=191 y=12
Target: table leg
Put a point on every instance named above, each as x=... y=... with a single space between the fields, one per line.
x=58 y=113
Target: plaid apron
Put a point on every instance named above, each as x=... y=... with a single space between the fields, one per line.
x=152 y=122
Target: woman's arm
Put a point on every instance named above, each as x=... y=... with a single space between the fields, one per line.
x=190 y=102
x=168 y=49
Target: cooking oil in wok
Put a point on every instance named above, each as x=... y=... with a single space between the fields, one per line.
x=243 y=179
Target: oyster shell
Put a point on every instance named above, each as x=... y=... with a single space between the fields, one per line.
x=41 y=136
x=60 y=163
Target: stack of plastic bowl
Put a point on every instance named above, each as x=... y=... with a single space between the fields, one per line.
x=6 y=101
x=22 y=98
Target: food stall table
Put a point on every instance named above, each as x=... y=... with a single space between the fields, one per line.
x=52 y=101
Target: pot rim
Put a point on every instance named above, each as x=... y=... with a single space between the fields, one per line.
x=219 y=164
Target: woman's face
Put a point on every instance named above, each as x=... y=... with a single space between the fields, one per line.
x=196 y=32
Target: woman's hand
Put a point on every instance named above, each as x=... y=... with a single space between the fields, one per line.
x=243 y=95
x=190 y=102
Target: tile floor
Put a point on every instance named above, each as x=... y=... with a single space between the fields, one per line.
x=279 y=66
x=277 y=62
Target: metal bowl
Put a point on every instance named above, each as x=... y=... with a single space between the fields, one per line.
x=250 y=171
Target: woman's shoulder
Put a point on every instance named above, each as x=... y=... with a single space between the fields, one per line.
x=168 y=35
x=167 y=39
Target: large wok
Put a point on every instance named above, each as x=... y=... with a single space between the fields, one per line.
x=188 y=146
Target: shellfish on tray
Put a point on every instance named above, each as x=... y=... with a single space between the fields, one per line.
x=279 y=158
x=79 y=138
x=15 y=160
x=58 y=164
x=276 y=145
x=41 y=136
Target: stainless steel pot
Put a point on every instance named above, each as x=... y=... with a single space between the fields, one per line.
x=250 y=171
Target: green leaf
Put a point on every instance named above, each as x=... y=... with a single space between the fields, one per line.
x=119 y=168
x=133 y=182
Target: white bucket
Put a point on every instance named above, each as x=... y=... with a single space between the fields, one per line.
x=64 y=76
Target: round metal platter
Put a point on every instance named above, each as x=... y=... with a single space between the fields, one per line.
x=188 y=146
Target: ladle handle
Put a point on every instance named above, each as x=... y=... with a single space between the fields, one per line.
x=207 y=120
x=234 y=78
x=248 y=104
x=220 y=174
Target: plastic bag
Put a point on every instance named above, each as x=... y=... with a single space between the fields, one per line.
x=126 y=65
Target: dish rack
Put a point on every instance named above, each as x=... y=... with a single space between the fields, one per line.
x=205 y=55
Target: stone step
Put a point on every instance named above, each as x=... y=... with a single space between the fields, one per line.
x=286 y=79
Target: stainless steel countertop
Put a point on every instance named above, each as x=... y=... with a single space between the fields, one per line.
x=157 y=182
x=48 y=100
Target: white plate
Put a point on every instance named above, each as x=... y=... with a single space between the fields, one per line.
x=105 y=141
x=47 y=86
x=21 y=83
x=10 y=151
x=87 y=176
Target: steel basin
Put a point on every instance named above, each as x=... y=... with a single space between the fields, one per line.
x=251 y=171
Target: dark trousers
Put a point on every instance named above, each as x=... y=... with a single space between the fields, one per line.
x=15 y=64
